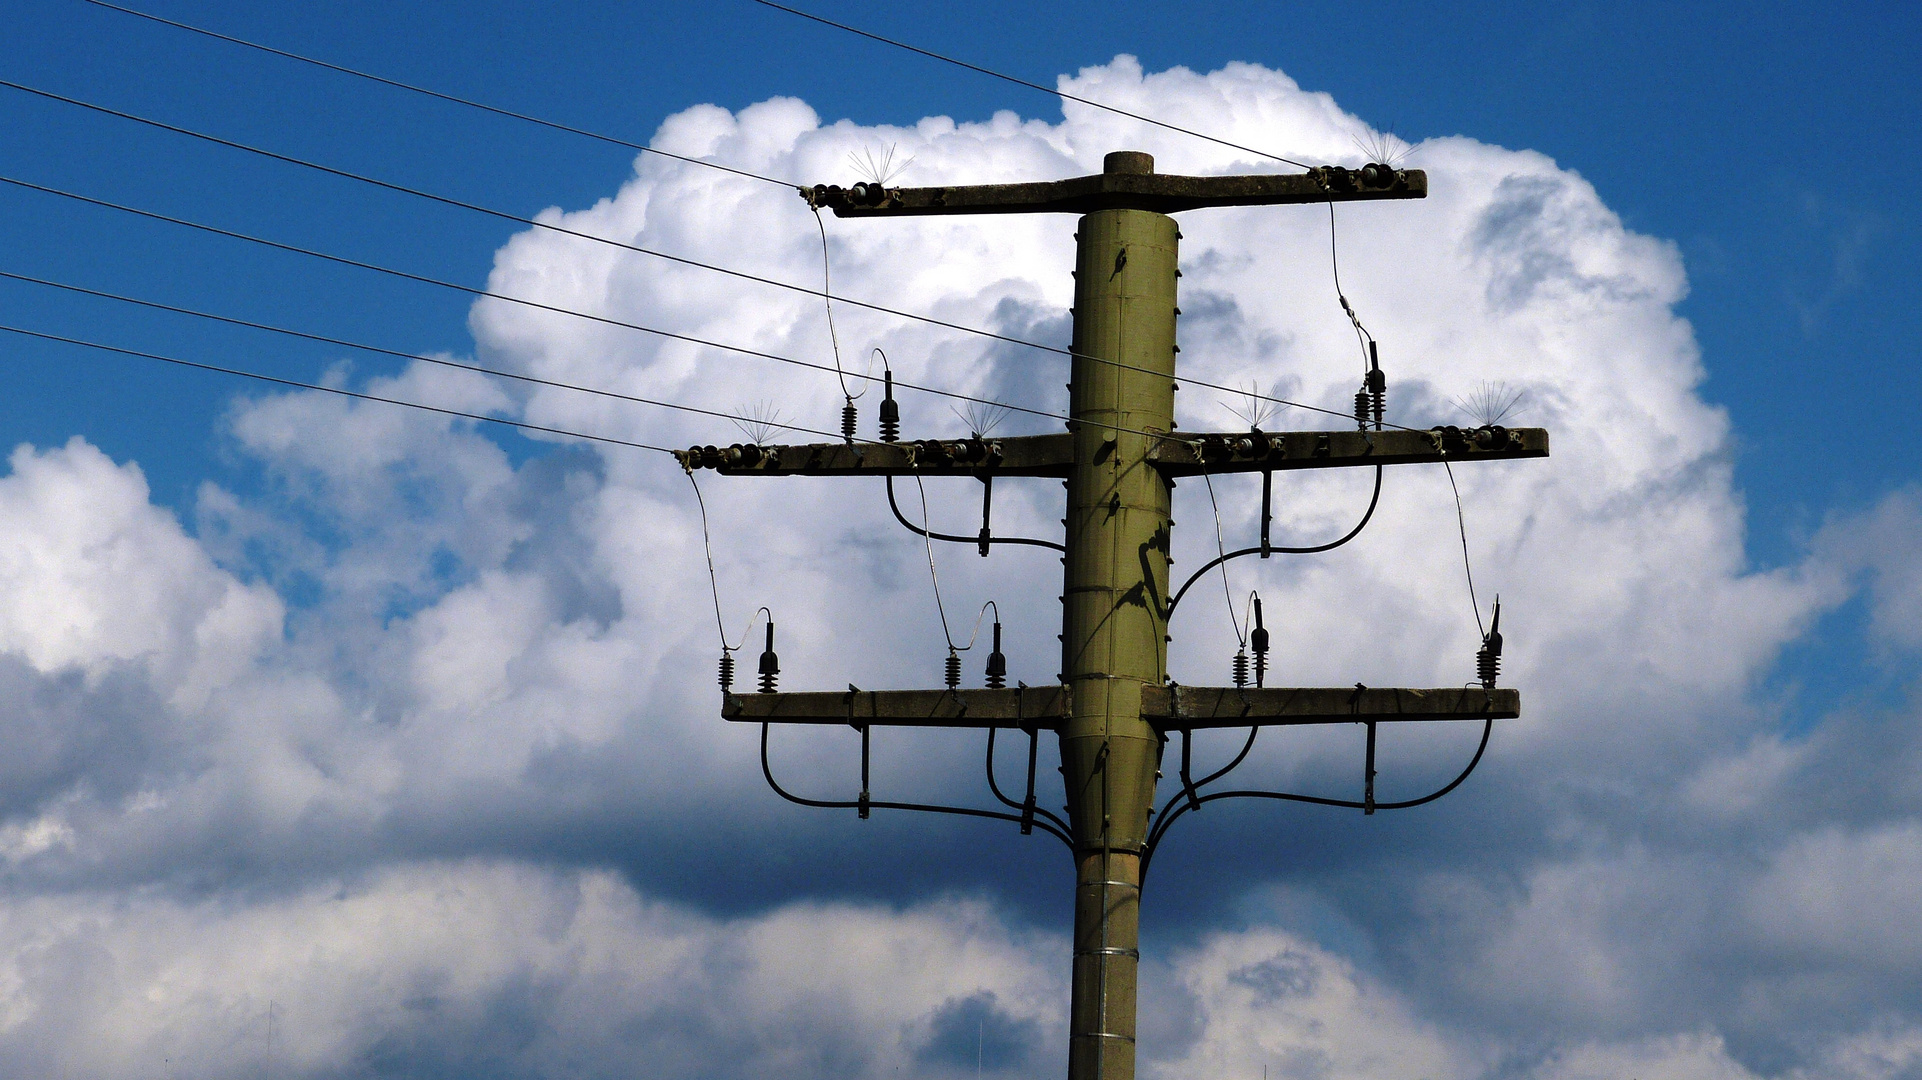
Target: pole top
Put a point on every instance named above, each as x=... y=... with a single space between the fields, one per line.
x=1128 y=163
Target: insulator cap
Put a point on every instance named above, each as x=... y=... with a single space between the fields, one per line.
x=770 y=663
x=997 y=663
x=890 y=409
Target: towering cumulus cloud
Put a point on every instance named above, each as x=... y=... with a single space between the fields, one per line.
x=408 y=763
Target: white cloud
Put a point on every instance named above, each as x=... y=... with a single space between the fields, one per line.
x=91 y=574
x=513 y=659
x=495 y=969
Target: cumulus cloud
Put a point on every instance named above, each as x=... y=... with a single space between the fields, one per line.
x=417 y=742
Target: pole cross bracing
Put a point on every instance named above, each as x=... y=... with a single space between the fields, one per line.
x=1115 y=707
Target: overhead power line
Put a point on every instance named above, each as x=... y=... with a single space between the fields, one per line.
x=536 y=223
x=1023 y=82
x=242 y=373
x=518 y=219
x=487 y=294
x=570 y=129
x=364 y=347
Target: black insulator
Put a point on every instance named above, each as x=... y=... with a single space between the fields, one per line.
x=1488 y=659
x=770 y=663
x=997 y=663
x=1488 y=667
x=848 y=418
x=954 y=670
x=727 y=672
x=1377 y=386
x=1241 y=667
x=1376 y=174
x=1258 y=638
x=1363 y=403
x=890 y=410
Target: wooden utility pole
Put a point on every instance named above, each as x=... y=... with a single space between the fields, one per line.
x=1115 y=707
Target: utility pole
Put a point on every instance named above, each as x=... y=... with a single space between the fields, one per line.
x=1115 y=707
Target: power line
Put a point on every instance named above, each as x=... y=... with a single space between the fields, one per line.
x=411 y=88
x=518 y=219
x=362 y=346
x=1023 y=82
x=615 y=140
x=535 y=304
x=523 y=425
x=538 y=224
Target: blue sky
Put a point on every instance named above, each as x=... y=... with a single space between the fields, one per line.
x=1762 y=139
x=364 y=572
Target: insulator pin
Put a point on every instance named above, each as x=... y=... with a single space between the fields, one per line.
x=890 y=410
x=1258 y=638
x=1377 y=386
x=997 y=663
x=1488 y=658
x=770 y=663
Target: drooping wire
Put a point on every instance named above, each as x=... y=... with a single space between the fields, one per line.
x=1030 y=85
x=950 y=538
x=1221 y=548
x=767 y=772
x=1373 y=501
x=1461 y=523
x=296 y=383
x=827 y=298
x=398 y=85
x=707 y=545
x=1168 y=818
x=932 y=575
x=1362 y=336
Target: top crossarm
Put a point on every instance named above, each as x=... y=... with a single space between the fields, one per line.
x=1164 y=193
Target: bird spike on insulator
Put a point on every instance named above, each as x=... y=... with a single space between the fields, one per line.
x=890 y=411
x=770 y=663
x=997 y=663
x=1241 y=667
x=1488 y=659
x=727 y=671
x=1377 y=385
x=849 y=416
x=1258 y=638
x=953 y=672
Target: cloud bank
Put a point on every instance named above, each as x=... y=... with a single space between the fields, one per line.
x=408 y=764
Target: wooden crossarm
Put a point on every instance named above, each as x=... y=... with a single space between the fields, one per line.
x=1176 y=708
x=1195 y=453
x=1034 y=706
x=1170 y=708
x=1179 y=454
x=1164 y=193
